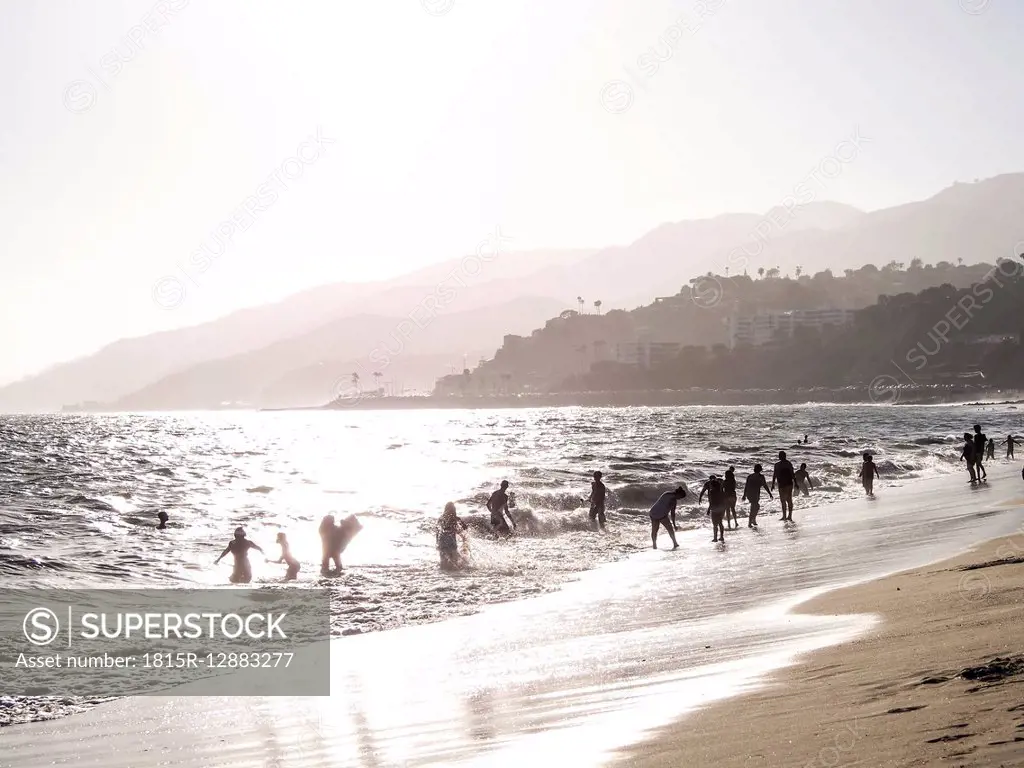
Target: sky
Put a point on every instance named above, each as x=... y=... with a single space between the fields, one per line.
x=165 y=163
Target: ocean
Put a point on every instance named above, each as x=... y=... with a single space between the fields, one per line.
x=81 y=494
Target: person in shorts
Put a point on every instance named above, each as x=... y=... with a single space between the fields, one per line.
x=785 y=476
x=752 y=493
x=497 y=505
x=715 y=490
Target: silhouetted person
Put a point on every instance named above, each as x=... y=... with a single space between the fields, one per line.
x=752 y=493
x=716 y=504
x=805 y=439
x=967 y=454
x=449 y=528
x=162 y=517
x=729 y=485
x=784 y=475
x=497 y=505
x=868 y=473
x=1009 y=446
x=286 y=557
x=803 y=479
x=597 y=494
x=326 y=530
x=239 y=547
x=663 y=510
x=980 y=441
x=990 y=451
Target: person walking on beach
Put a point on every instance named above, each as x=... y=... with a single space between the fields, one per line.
x=663 y=510
x=868 y=473
x=729 y=486
x=980 y=441
x=803 y=479
x=597 y=494
x=967 y=454
x=239 y=548
x=752 y=493
x=1009 y=446
x=497 y=505
x=715 y=490
x=784 y=475
x=286 y=557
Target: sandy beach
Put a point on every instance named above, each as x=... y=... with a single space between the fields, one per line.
x=940 y=682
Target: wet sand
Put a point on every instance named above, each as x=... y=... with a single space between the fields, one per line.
x=939 y=682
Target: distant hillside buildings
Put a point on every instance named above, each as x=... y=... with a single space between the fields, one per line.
x=768 y=327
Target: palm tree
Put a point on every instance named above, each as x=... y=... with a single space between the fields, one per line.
x=579 y=300
x=597 y=306
x=760 y=272
x=355 y=380
x=799 y=270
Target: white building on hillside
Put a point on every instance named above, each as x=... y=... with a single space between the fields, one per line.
x=766 y=327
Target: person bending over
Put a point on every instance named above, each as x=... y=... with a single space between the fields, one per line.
x=663 y=510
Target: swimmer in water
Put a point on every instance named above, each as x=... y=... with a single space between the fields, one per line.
x=239 y=547
x=286 y=557
x=729 y=484
x=449 y=528
x=752 y=493
x=868 y=473
x=497 y=505
x=162 y=517
x=1009 y=443
x=803 y=479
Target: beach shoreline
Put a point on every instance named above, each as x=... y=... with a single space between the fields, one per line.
x=939 y=679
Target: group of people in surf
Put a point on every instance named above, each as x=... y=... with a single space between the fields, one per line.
x=334 y=537
x=978 y=448
x=722 y=499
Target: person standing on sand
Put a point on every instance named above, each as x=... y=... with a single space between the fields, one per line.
x=752 y=493
x=597 y=494
x=729 y=486
x=803 y=479
x=1009 y=446
x=716 y=504
x=868 y=473
x=784 y=475
x=663 y=510
x=980 y=441
x=967 y=454
x=497 y=505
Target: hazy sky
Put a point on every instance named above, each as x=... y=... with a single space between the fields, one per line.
x=133 y=130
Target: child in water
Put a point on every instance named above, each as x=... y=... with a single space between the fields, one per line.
x=868 y=473
x=286 y=557
x=239 y=547
x=162 y=517
x=449 y=528
x=803 y=479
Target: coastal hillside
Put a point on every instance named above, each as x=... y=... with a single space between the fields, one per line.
x=364 y=344
x=128 y=365
x=970 y=222
x=689 y=329
x=944 y=335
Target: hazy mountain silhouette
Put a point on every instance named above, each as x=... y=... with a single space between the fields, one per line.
x=313 y=368
x=975 y=222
